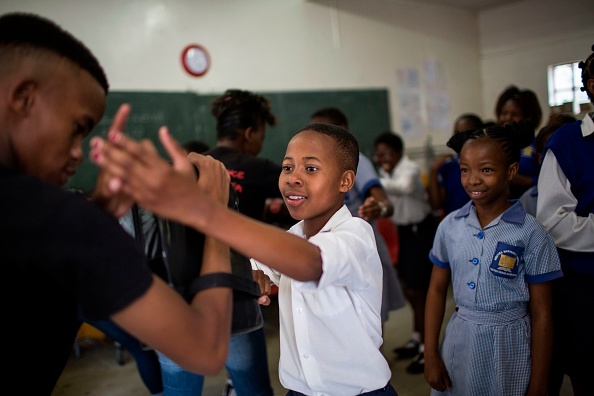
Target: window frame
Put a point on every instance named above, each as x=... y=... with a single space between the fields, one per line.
x=557 y=93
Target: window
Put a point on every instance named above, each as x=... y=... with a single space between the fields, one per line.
x=565 y=81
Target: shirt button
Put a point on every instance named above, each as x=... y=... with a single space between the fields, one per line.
x=474 y=261
x=299 y=309
x=306 y=355
x=471 y=285
x=480 y=235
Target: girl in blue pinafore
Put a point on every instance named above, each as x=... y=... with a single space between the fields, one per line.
x=501 y=262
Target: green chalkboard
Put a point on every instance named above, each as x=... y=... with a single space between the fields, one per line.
x=188 y=117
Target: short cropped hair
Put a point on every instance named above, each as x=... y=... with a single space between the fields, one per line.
x=334 y=114
x=347 y=146
x=22 y=34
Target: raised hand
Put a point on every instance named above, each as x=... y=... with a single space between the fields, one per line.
x=135 y=169
x=264 y=281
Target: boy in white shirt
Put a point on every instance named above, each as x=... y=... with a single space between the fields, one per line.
x=327 y=266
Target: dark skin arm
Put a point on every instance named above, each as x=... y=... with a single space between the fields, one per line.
x=164 y=189
x=435 y=371
x=437 y=194
x=371 y=208
x=542 y=336
x=265 y=288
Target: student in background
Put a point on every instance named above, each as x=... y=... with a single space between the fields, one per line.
x=565 y=207
x=68 y=256
x=401 y=178
x=514 y=105
x=528 y=199
x=445 y=190
x=326 y=266
x=241 y=120
x=368 y=200
x=501 y=263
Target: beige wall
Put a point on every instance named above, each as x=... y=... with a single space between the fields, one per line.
x=520 y=40
x=288 y=45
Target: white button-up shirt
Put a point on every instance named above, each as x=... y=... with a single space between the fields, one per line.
x=330 y=330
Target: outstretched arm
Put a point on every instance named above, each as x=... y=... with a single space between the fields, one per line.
x=171 y=192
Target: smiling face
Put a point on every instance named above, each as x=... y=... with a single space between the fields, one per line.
x=312 y=182
x=55 y=112
x=510 y=112
x=485 y=174
x=386 y=157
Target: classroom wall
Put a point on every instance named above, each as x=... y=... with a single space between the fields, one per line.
x=462 y=60
x=520 y=40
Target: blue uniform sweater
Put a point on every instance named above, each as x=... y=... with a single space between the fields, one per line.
x=568 y=143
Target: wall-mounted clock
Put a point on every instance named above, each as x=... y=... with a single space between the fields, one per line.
x=195 y=60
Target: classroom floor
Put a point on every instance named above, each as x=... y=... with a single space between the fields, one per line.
x=97 y=373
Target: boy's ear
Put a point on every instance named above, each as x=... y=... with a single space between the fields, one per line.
x=21 y=96
x=512 y=171
x=247 y=134
x=347 y=181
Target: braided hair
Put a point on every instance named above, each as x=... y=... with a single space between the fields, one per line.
x=511 y=137
x=587 y=67
x=237 y=110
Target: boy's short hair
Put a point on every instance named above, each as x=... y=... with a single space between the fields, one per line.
x=23 y=34
x=347 y=146
x=334 y=114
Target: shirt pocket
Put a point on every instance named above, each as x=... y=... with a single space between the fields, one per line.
x=506 y=260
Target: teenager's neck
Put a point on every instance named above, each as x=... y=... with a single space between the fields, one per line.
x=231 y=144
x=487 y=213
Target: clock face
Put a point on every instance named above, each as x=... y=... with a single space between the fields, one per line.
x=195 y=59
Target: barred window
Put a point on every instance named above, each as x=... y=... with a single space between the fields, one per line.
x=564 y=86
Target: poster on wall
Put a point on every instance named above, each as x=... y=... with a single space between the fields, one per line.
x=409 y=102
x=437 y=99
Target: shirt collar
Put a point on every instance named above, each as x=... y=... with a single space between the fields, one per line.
x=587 y=125
x=343 y=214
x=514 y=214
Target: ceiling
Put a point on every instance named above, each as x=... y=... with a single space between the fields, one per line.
x=473 y=5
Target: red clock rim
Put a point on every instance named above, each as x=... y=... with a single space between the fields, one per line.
x=184 y=57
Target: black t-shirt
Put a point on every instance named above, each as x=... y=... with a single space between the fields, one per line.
x=60 y=255
x=255 y=179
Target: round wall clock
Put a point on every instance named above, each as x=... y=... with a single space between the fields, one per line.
x=195 y=59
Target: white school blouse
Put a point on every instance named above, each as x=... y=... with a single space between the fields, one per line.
x=330 y=330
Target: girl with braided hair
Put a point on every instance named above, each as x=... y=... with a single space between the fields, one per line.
x=501 y=262
x=565 y=206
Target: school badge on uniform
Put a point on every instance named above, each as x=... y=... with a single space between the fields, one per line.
x=506 y=260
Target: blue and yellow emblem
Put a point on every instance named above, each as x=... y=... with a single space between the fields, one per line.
x=506 y=260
